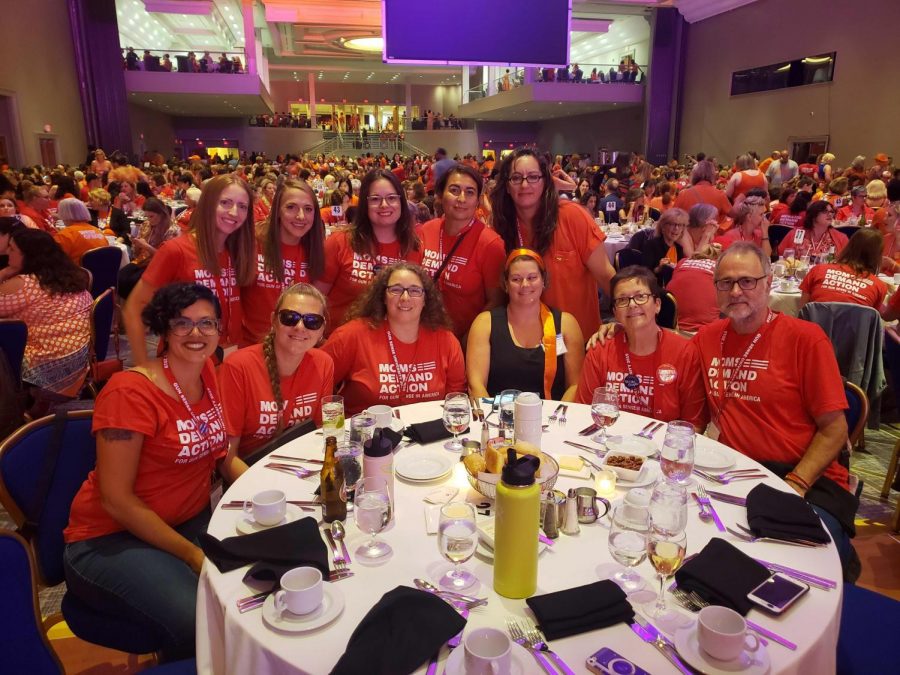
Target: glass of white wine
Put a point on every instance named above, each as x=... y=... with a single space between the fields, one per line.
x=457 y=414
x=628 y=544
x=604 y=412
x=372 y=508
x=457 y=539
x=666 y=553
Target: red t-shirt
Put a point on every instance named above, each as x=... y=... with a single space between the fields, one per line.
x=351 y=273
x=808 y=169
x=845 y=213
x=573 y=288
x=734 y=234
x=839 y=283
x=250 y=408
x=430 y=368
x=176 y=463
x=806 y=245
x=693 y=288
x=789 y=219
x=670 y=386
x=258 y=300
x=177 y=260
x=789 y=378
x=703 y=193
x=475 y=268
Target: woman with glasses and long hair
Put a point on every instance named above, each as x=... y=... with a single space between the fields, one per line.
x=383 y=233
x=750 y=224
x=218 y=252
x=270 y=387
x=397 y=347
x=524 y=345
x=852 y=277
x=527 y=213
x=132 y=540
x=290 y=250
x=654 y=372
x=662 y=251
x=816 y=236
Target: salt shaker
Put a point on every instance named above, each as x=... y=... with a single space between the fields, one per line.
x=570 y=522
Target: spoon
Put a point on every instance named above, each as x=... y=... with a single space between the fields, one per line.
x=338 y=533
x=431 y=588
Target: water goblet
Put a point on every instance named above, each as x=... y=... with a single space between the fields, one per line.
x=604 y=412
x=457 y=414
x=457 y=539
x=668 y=508
x=372 y=508
x=628 y=545
x=676 y=458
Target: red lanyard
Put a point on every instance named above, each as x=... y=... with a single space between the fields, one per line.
x=200 y=427
x=441 y=243
x=401 y=377
x=726 y=384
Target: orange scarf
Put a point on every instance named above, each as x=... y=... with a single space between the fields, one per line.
x=549 y=343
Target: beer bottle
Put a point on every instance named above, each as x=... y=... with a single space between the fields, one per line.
x=331 y=481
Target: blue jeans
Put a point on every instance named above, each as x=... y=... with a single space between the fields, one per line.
x=841 y=540
x=121 y=575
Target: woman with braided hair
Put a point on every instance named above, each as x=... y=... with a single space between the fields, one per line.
x=269 y=387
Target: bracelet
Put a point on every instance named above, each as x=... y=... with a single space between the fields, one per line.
x=794 y=478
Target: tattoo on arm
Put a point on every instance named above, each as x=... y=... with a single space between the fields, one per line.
x=116 y=434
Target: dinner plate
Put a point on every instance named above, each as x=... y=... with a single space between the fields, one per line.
x=424 y=465
x=706 y=457
x=632 y=445
x=649 y=474
x=456 y=662
x=332 y=605
x=246 y=525
x=748 y=663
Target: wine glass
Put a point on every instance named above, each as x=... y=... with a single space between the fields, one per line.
x=372 y=508
x=628 y=544
x=676 y=459
x=604 y=412
x=349 y=454
x=666 y=553
x=457 y=413
x=779 y=270
x=457 y=539
x=668 y=508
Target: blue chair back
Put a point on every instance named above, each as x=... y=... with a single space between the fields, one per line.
x=102 y=312
x=23 y=643
x=628 y=256
x=776 y=234
x=13 y=337
x=668 y=312
x=849 y=230
x=103 y=264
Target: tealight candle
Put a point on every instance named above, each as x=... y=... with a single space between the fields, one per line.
x=605 y=483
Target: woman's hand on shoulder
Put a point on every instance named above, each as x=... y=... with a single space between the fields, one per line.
x=606 y=332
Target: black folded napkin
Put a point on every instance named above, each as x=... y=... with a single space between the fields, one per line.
x=722 y=575
x=393 y=436
x=424 y=433
x=402 y=631
x=578 y=610
x=275 y=550
x=783 y=515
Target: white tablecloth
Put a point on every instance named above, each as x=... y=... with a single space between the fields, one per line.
x=229 y=642
x=614 y=244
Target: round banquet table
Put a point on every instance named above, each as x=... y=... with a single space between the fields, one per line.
x=615 y=243
x=230 y=642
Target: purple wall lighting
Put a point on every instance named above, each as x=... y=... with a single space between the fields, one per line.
x=477 y=32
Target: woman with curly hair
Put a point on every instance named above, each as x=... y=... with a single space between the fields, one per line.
x=398 y=347
x=383 y=233
x=269 y=387
x=132 y=541
x=44 y=288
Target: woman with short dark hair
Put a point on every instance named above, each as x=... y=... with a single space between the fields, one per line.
x=816 y=236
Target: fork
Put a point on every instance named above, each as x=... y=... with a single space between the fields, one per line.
x=536 y=640
x=562 y=418
x=336 y=556
x=728 y=479
x=294 y=470
x=748 y=536
x=643 y=431
x=555 y=415
x=518 y=636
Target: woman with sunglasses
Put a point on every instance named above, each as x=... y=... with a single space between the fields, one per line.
x=132 y=540
x=524 y=345
x=383 y=233
x=463 y=255
x=528 y=213
x=655 y=372
x=397 y=348
x=290 y=250
x=269 y=387
x=816 y=236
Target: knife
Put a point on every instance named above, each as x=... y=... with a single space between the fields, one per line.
x=582 y=447
x=588 y=430
x=727 y=498
x=708 y=504
x=296 y=459
x=649 y=634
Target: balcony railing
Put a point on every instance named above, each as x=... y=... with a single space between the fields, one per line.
x=587 y=73
x=181 y=61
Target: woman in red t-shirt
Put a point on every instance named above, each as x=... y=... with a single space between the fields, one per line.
x=219 y=252
x=290 y=250
x=692 y=286
x=853 y=277
x=382 y=234
x=270 y=387
x=134 y=524
x=750 y=224
x=816 y=237
x=397 y=348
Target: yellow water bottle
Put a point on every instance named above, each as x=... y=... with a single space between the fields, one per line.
x=516 y=527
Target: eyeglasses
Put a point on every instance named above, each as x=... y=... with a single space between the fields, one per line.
x=290 y=318
x=531 y=179
x=639 y=299
x=183 y=326
x=376 y=200
x=745 y=283
x=414 y=291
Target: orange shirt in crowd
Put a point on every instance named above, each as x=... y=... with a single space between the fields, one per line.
x=176 y=260
x=258 y=300
x=763 y=165
x=657 y=203
x=176 y=462
x=41 y=218
x=670 y=383
x=473 y=271
x=692 y=286
x=704 y=193
x=428 y=369
x=845 y=213
x=350 y=273
x=804 y=244
x=251 y=412
x=749 y=182
x=184 y=219
x=788 y=379
x=79 y=238
x=839 y=283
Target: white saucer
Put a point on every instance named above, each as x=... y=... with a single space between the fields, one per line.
x=633 y=445
x=649 y=474
x=456 y=663
x=424 y=465
x=332 y=605
x=246 y=525
x=749 y=663
x=706 y=457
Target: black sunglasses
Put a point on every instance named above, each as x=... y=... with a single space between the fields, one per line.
x=290 y=318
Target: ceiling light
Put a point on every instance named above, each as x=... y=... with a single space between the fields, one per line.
x=365 y=44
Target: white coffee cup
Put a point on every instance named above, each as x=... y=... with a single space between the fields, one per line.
x=267 y=507
x=301 y=591
x=487 y=652
x=722 y=633
x=383 y=415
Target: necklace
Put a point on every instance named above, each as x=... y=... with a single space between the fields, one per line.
x=201 y=427
x=402 y=377
x=726 y=384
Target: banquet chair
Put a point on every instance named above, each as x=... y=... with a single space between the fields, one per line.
x=891 y=474
x=869 y=624
x=668 y=312
x=13 y=337
x=103 y=263
x=42 y=467
x=776 y=234
x=857 y=413
x=849 y=230
x=101 y=368
x=628 y=256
